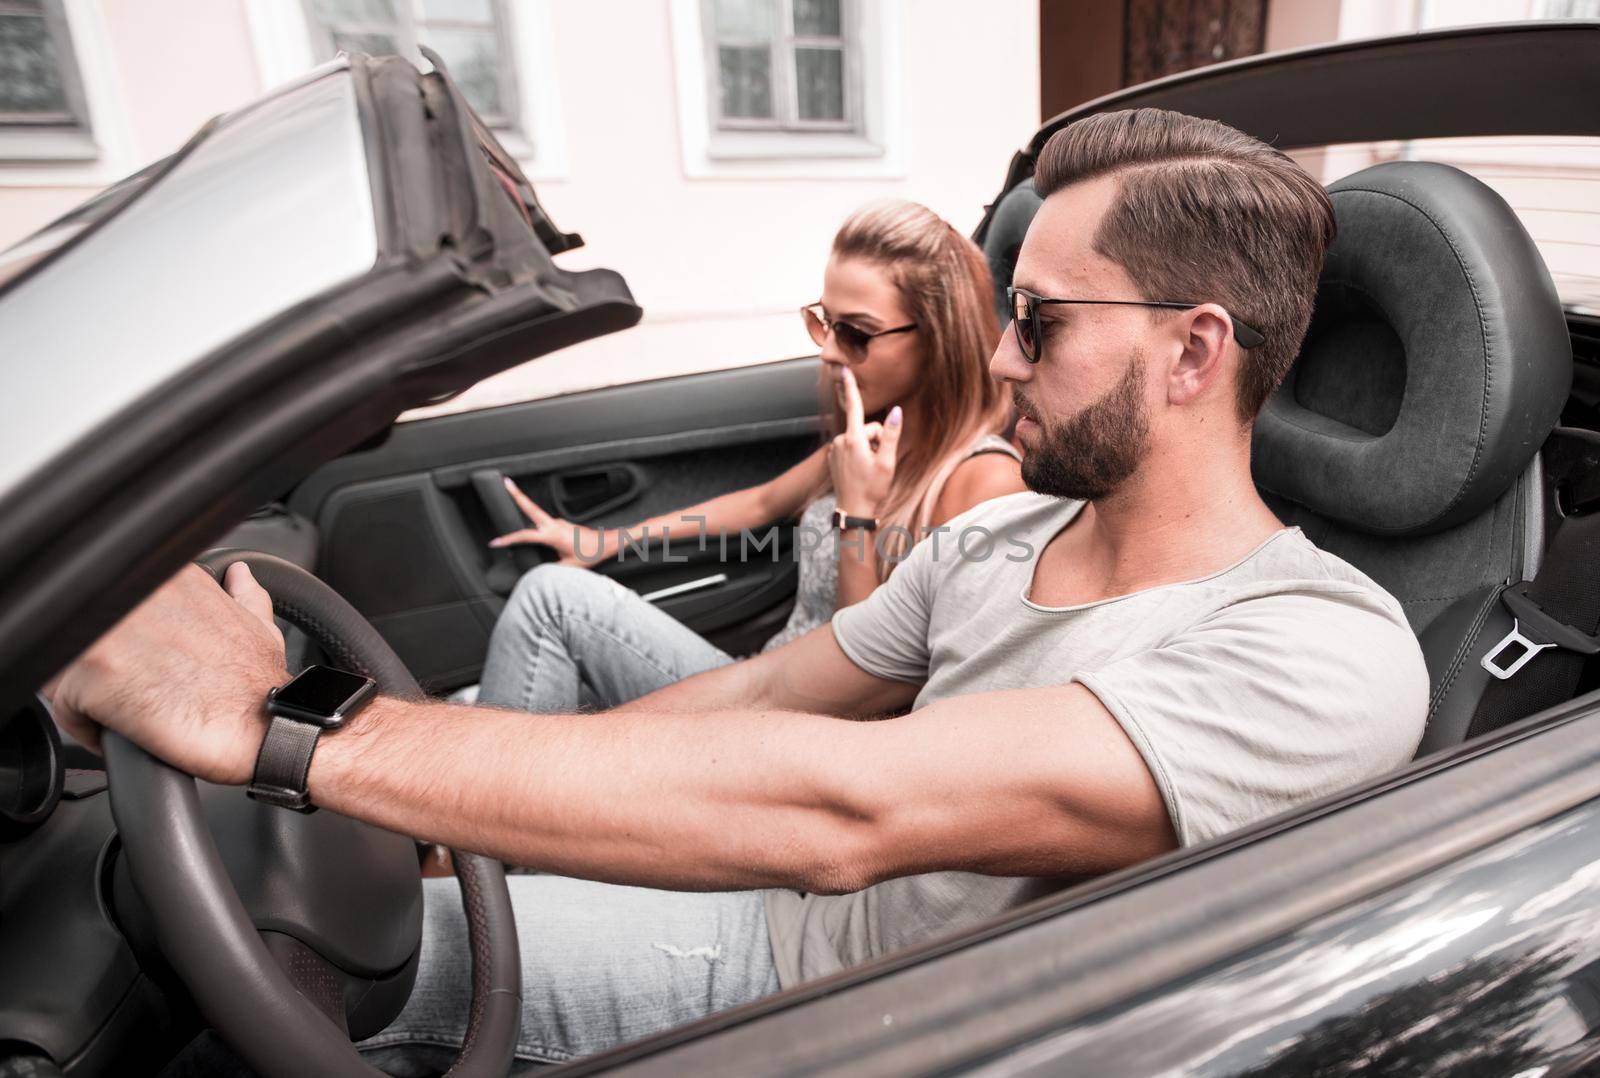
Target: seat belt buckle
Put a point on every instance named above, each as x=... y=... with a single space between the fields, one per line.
x=1547 y=632
x=1494 y=660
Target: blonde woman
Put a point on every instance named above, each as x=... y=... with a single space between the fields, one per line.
x=906 y=325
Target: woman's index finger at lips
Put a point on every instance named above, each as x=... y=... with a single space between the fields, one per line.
x=853 y=414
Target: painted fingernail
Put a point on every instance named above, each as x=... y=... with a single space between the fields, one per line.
x=506 y=479
x=894 y=416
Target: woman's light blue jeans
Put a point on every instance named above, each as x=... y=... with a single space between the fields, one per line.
x=570 y=639
x=601 y=964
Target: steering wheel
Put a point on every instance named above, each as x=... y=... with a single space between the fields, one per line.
x=287 y=1016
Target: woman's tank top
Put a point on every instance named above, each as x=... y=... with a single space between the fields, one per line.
x=819 y=562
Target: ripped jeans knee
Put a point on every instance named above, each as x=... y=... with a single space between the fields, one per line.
x=602 y=965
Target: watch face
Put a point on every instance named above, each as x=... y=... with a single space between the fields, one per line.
x=320 y=693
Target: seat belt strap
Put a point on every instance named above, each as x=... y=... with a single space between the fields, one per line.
x=1556 y=628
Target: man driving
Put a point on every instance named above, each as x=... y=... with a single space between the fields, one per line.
x=1145 y=658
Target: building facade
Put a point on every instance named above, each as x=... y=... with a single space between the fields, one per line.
x=707 y=149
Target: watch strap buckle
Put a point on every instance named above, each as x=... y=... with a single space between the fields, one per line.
x=282 y=764
x=280 y=797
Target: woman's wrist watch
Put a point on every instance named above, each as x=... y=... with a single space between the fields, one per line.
x=845 y=522
x=318 y=698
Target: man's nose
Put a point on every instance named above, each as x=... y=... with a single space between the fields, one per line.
x=1007 y=363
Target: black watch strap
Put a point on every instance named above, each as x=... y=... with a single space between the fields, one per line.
x=282 y=764
x=845 y=522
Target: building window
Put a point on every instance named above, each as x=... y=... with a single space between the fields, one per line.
x=1569 y=9
x=790 y=88
x=43 y=115
x=784 y=65
x=469 y=35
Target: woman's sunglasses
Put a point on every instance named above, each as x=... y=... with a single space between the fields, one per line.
x=1025 y=318
x=852 y=340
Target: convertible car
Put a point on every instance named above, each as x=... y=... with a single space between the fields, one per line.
x=212 y=355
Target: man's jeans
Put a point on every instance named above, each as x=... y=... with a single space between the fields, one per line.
x=601 y=964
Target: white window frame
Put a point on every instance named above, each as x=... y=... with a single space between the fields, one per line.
x=63 y=136
x=410 y=15
x=786 y=94
x=286 y=45
x=97 y=151
x=869 y=145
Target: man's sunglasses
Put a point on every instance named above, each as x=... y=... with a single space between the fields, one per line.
x=1025 y=318
x=852 y=340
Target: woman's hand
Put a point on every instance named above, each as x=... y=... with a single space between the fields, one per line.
x=561 y=536
x=861 y=460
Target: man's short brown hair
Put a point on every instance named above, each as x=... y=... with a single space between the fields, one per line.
x=1206 y=213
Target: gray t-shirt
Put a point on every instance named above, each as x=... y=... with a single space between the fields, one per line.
x=1283 y=677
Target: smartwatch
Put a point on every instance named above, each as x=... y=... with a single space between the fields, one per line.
x=844 y=521
x=318 y=698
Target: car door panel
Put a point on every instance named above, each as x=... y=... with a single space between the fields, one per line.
x=405 y=525
x=720 y=588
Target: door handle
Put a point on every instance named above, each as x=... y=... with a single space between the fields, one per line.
x=583 y=495
x=489 y=484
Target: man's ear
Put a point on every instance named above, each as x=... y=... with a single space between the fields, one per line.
x=1207 y=336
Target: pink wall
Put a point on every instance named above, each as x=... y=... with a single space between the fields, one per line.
x=23 y=209
x=180 y=62
x=1294 y=23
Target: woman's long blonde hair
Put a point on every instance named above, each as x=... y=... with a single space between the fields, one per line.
x=944 y=283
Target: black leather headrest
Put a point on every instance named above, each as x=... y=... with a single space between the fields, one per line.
x=1003 y=241
x=1437 y=361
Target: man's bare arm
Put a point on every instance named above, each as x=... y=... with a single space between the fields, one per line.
x=1032 y=781
x=811 y=674
x=1029 y=782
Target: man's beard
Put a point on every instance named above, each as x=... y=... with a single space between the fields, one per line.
x=1093 y=453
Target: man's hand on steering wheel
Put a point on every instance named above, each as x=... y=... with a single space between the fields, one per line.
x=185 y=675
